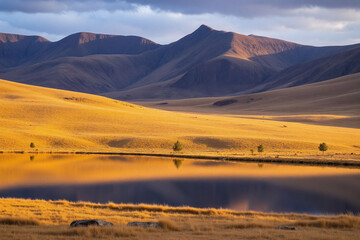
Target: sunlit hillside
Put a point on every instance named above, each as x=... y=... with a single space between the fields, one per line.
x=56 y=120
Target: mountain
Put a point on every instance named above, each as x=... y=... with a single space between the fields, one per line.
x=204 y=63
x=336 y=65
x=17 y=50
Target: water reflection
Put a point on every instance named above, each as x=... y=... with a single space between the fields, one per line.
x=177 y=163
x=238 y=194
x=201 y=183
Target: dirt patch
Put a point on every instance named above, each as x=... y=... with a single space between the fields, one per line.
x=213 y=142
x=119 y=143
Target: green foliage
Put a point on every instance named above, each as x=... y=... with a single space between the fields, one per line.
x=323 y=147
x=32 y=145
x=177 y=146
x=260 y=148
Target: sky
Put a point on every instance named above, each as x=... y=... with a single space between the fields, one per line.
x=317 y=22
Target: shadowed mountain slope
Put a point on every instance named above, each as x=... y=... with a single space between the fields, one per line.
x=204 y=63
x=337 y=65
x=16 y=50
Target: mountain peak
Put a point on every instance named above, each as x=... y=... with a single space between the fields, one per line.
x=202 y=31
x=204 y=28
x=9 y=38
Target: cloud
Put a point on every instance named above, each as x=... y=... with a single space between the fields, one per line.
x=53 y=6
x=323 y=23
x=243 y=8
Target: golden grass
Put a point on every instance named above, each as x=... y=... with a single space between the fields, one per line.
x=58 y=120
x=340 y=222
x=94 y=232
x=18 y=221
x=168 y=225
x=54 y=218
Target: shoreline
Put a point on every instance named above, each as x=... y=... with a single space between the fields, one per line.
x=275 y=160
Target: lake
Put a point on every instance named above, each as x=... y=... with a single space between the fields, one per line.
x=176 y=182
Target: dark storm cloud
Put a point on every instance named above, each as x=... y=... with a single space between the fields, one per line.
x=51 y=6
x=245 y=8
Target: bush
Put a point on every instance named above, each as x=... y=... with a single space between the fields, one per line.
x=323 y=147
x=260 y=148
x=177 y=146
x=32 y=145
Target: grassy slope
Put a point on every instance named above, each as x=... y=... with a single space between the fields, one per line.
x=333 y=102
x=51 y=219
x=63 y=120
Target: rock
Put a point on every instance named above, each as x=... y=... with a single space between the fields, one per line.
x=286 y=227
x=91 y=222
x=144 y=224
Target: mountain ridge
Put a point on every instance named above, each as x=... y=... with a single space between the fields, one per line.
x=204 y=63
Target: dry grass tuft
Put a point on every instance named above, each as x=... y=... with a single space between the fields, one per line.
x=94 y=232
x=18 y=221
x=247 y=225
x=339 y=222
x=169 y=225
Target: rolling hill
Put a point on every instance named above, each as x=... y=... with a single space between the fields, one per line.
x=204 y=63
x=57 y=120
x=335 y=97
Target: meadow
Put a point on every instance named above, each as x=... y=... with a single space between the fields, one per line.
x=56 y=120
x=39 y=219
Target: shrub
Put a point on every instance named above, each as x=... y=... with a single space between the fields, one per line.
x=252 y=151
x=323 y=147
x=177 y=146
x=260 y=148
x=32 y=145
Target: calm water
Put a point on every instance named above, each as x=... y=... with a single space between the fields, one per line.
x=198 y=183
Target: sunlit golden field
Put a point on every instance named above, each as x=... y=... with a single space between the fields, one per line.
x=58 y=120
x=52 y=218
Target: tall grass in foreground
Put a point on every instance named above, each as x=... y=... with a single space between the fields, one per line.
x=18 y=221
x=94 y=232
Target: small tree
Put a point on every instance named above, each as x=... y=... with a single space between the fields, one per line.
x=260 y=148
x=177 y=146
x=323 y=147
x=32 y=145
